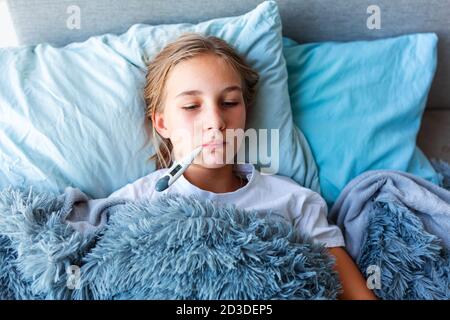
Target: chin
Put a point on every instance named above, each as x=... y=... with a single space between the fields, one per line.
x=213 y=163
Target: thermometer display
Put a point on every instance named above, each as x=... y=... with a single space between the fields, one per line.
x=175 y=170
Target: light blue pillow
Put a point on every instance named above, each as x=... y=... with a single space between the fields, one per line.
x=360 y=104
x=74 y=116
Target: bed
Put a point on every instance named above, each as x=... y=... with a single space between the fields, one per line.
x=43 y=22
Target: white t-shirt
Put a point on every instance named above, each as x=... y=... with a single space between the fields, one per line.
x=306 y=209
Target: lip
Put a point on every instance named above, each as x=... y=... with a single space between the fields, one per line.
x=214 y=144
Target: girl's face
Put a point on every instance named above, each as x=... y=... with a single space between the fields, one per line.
x=203 y=100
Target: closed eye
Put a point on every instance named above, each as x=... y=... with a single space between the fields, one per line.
x=230 y=104
x=192 y=107
x=226 y=104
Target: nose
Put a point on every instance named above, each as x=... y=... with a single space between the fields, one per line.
x=214 y=118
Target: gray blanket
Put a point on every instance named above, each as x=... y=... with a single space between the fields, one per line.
x=354 y=207
x=84 y=214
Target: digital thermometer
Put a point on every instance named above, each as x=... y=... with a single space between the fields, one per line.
x=176 y=170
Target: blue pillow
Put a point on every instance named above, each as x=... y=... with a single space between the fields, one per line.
x=360 y=104
x=74 y=116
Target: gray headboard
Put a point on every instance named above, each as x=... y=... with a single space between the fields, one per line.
x=39 y=21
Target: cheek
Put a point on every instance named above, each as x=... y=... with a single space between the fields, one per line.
x=239 y=123
x=177 y=123
x=238 y=117
x=181 y=132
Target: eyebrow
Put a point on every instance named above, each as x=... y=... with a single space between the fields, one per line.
x=197 y=92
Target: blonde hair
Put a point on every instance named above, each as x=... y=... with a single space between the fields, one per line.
x=187 y=46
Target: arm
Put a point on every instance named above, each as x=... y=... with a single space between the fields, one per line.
x=353 y=283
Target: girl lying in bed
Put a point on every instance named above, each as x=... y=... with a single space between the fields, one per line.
x=201 y=83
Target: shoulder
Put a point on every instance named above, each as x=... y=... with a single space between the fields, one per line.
x=140 y=188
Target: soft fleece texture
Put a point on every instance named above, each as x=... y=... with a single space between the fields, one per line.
x=399 y=223
x=173 y=248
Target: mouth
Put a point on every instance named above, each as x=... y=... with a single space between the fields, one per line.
x=214 y=144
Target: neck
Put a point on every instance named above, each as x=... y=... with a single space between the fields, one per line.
x=217 y=180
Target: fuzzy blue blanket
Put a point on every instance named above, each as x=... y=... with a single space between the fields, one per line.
x=185 y=248
x=173 y=248
x=397 y=228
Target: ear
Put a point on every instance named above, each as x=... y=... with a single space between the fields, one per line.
x=159 y=125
